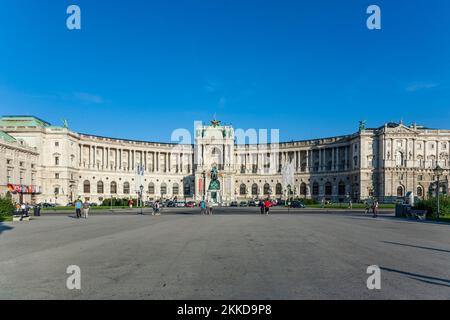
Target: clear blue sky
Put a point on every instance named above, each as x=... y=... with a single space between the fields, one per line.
x=140 y=69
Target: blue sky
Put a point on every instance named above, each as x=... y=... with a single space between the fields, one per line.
x=140 y=69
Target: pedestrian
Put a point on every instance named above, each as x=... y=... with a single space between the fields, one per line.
x=367 y=207
x=262 y=206
x=266 y=207
x=156 y=208
x=78 y=208
x=17 y=208
x=209 y=208
x=375 y=209
x=86 y=206
x=130 y=203
x=350 y=204
x=323 y=203
x=203 y=207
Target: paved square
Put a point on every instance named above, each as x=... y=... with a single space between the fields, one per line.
x=225 y=256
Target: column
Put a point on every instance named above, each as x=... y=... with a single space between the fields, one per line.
x=333 y=159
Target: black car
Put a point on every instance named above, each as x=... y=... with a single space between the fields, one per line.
x=252 y=204
x=171 y=204
x=297 y=204
x=243 y=204
x=234 y=204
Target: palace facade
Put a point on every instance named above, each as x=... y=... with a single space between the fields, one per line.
x=63 y=165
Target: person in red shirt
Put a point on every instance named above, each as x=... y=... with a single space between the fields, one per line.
x=266 y=206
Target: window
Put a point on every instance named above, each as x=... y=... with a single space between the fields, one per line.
x=303 y=189
x=419 y=191
x=8 y=176
x=113 y=187
x=243 y=190
x=175 y=189
x=56 y=191
x=328 y=189
x=56 y=144
x=126 y=188
x=341 y=188
x=315 y=189
x=86 y=186
x=254 y=189
x=56 y=161
x=21 y=164
x=278 y=189
x=151 y=188
x=266 y=189
x=56 y=175
x=8 y=161
x=187 y=189
x=400 y=191
x=100 y=187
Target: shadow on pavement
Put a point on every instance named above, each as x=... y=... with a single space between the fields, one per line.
x=421 y=278
x=4 y=227
x=414 y=246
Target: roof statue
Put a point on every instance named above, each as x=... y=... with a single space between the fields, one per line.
x=362 y=125
x=65 y=123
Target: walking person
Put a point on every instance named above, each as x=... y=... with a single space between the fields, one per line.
x=130 y=203
x=209 y=208
x=375 y=209
x=203 y=207
x=262 y=206
x=266 y=207
x=78 y=208
x=367 y=207
x=86 y=206
x=350 y=204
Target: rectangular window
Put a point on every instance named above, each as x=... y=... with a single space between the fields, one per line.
x=8 y=176
x=56 y=175
x=56 y=161
x=56 y=144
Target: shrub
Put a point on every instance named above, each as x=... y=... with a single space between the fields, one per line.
x=6 y=206
x=431 y=206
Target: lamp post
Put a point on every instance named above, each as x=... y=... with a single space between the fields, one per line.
x=438 y=171
x=141 y=188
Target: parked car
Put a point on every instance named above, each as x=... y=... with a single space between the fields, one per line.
x=252 y=203
x=180 y=204
x=47 y=205
x=243 y=204
x=297 y=204
x=190 y=204
x=234 y=204
x=149 y=204
x=171 y=204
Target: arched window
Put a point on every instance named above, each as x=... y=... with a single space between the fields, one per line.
x=151 y=188
x=163 y=189
x=113 y=187
x=303 y=189
x=254 y=189
x=100 y=187
x=315 y=189
x=278 y=189
x=419 y=191
x=400 y=191
x=328 y=189
x=86 y=186
x=126 y=188
x=175 y=189
x=341 y=188
x=266 y=189
x=243 y=190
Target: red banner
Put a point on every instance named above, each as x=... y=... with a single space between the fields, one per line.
x=17 y=188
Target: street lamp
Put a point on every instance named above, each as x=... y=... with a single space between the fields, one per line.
x=141 y=188
x=438 y=171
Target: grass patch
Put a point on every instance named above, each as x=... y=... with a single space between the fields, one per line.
x=91 y=208
x=4 y=218
x=345 y=206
